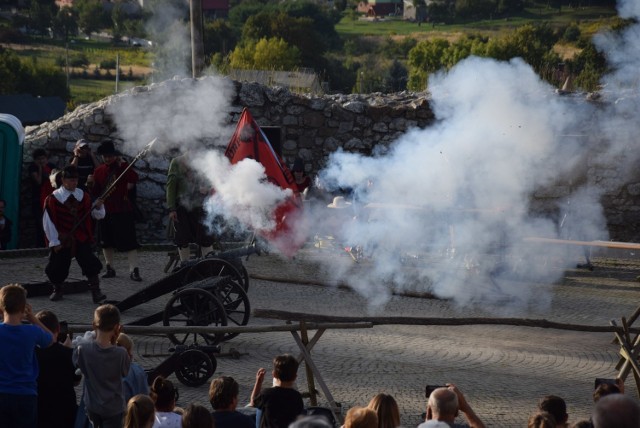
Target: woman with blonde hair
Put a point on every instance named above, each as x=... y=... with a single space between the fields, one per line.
x=140 y=412
x=387 y=410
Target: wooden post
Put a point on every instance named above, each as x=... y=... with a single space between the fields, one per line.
x=197 y=45
x=337 y=413
x=310 y=383
x=627 y=353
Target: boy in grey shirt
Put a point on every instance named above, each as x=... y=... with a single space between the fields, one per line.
x=103 y=365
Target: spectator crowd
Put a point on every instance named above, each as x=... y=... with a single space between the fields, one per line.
x=40 y=367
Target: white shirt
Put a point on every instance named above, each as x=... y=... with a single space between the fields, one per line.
x=167 y=420
x=62 y=195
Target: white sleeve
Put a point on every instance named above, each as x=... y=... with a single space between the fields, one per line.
x=50 y=230
x=98 y=213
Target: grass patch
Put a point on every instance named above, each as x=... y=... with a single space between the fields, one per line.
x=588 y=17
x=85 y=91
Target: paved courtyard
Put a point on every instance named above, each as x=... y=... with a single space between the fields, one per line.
x=503 y=370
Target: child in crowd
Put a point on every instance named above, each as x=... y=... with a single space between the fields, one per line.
x=223 y=396
x=103 y=365
x=140 y=412
x=165 y=396
x=57 y=403
x=361 y=417
x=19 y=370
x=281 y=404
x=197 y=416
x=136 y=381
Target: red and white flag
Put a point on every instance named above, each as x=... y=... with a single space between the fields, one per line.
x=249 y=141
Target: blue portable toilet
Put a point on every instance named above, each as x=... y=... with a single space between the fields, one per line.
x=11 y=139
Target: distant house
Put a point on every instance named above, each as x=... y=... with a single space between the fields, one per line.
x=32 y=110
x=295 y=81
x=381 y=7
x=413 y=13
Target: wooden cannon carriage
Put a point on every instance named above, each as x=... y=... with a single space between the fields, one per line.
x=210 y=291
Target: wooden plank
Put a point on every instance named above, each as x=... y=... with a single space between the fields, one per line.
x=604 y=244
x=523 y=322
x=151 y=330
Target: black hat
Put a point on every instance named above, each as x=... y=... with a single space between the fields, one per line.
x=108 y=148
x=69 y=171
x=298 y=165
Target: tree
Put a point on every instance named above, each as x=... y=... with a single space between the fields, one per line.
x=295 y=31
x=424 y=59
x=91 y=16
x=17 y=77
x=440 y=11
x=219 y=36
x=239 y=14
x=65 y=23
x=41 y=15
x=395 y=80
x=265 y=54
x=588 y=66
x=118 y=17
x=11 y=70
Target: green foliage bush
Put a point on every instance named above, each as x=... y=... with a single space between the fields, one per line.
x=108 y=64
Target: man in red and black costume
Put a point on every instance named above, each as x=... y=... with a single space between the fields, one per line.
x=118 y=229
x=68 y=227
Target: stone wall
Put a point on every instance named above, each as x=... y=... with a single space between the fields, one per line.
x=312 y=128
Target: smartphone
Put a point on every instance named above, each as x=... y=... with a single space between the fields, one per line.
x=64 y=332
x=601 y=380
x=430 y=388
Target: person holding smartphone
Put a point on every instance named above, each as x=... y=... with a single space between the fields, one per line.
x=444 y=405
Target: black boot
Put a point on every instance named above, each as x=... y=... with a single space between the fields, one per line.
x=57 y=293
x=94 y=287
x=110 y=273
x=135 y=275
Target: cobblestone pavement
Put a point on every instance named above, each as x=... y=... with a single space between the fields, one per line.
x=503 y=370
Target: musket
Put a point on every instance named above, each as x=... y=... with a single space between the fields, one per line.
x=109 y=189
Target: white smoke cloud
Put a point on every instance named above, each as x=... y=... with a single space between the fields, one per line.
x=169 y=30
x=242 y=191
x=460 y=190
x=178 y=112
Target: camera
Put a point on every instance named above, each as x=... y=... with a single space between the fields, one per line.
x=430 y=388
x=601 y=380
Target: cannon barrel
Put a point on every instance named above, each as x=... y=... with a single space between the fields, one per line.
x=236 y=253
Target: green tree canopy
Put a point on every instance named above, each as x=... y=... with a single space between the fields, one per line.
x=17 y=77
x=265 y=54
x=41 y=14
x=91 y=16
x=295 y=31
x=219 y=36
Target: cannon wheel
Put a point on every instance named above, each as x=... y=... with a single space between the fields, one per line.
x=197 y=307
x=208 y=267
x=195 y=368
x=235 y=302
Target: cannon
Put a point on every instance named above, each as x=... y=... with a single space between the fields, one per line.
x=193 y=364
x=210 y=291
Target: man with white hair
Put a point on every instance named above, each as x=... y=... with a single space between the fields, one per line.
x=443 y=407
x=616 y=411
